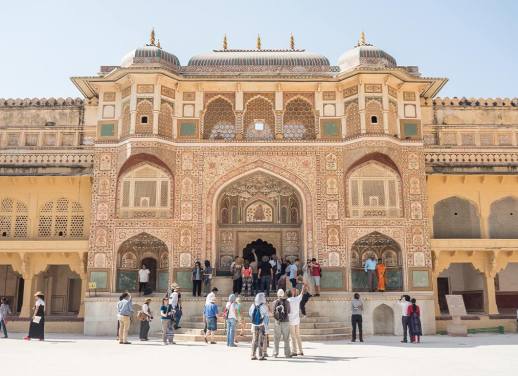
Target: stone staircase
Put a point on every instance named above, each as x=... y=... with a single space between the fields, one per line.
x=314 y=327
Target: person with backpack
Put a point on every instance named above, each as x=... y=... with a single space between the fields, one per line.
x=167 y=319
x=231 y=316
x=259 y=318
x=144 y=316
x=281 y=311
x=247 y=274
x=294 y=318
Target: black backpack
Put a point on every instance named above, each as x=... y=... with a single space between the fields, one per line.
x=281 y=310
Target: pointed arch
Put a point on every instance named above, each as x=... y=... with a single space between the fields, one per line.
x=165 y=120
x=61 y=218
x=144 y=118
x=456 y=218
x=299 y=119
x=14 y=219
x=219 y=119
x=259 y=119
x=125 y=120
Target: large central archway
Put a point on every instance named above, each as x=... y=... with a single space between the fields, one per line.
x=257 y=206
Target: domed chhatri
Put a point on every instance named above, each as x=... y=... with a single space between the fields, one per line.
x=151 y=54
x=365 y=55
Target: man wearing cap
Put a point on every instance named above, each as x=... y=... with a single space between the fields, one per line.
x=281 y=311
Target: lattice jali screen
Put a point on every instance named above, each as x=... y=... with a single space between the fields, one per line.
x=374 y=191
x=223 y=131
x=352 y=119
x=61 y=219
x=374 y=111
x=300 y=113
x=126 y=120
x=144 y=120
x=294 y=131
x=165 y=120
x=219 y=120
x=145 y=193
x=259 y=109
x=14 y=220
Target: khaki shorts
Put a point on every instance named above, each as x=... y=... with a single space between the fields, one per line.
x=316 y=279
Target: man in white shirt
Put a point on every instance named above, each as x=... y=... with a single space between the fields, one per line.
x=404 y=302
x=294 y=317
x=143 y=279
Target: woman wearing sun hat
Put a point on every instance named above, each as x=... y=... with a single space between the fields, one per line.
x=37 y=325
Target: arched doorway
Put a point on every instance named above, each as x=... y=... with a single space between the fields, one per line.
x=261 y=247
x=142 y=249
x=383 y=320
x=258 y=210
x=381 y=247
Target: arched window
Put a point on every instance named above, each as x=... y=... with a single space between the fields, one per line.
x=259 y=119
x=61 y=218
x=299 y=120
x=392 y=119
x=219 y=120
x=352 y=119
x=383 y=249
x=503 y=219
x=126 y=120
x=14 y=220
x=374 y=113
x=145 y=192
x=374 y=191
x=144 y=120
x=455 y=218
x=165 y=120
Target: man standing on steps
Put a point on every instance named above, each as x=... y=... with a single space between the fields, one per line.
x=281 y=311
x=265 y=275
x=143 y=279
x=208 y=299
x=294 y=317
x=370 y=269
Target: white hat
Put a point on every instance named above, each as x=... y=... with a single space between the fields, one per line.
x=280 y=293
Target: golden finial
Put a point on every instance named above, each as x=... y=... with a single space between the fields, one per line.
x=292 y=41
x=225 y=42
x=258 y=43
x=362 y=41
x=152 y=37
x=158 y=44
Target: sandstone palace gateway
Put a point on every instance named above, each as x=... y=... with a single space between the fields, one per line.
x=273 y=149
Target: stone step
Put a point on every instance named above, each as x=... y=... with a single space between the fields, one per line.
x=303 y=325
x=221 y=331
x=247 y=339
x=246 y=319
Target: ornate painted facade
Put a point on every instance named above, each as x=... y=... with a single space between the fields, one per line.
x=170 y=164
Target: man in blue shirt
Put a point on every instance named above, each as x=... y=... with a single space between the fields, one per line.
x=124 y=312
x=370 y=269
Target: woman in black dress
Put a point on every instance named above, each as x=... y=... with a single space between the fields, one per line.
x=37 y=326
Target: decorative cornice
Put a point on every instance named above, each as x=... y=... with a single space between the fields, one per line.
x=65 y=158
x=471 y=102
x=41 y=102
x=471 y=158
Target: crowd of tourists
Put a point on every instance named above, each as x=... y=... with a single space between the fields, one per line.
x=294 y=285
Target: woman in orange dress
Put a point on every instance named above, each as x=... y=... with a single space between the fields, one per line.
x=380 y=273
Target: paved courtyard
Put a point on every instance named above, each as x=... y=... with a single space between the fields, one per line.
x=438 y=355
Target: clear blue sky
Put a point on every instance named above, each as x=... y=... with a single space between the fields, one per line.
x=471 y=42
